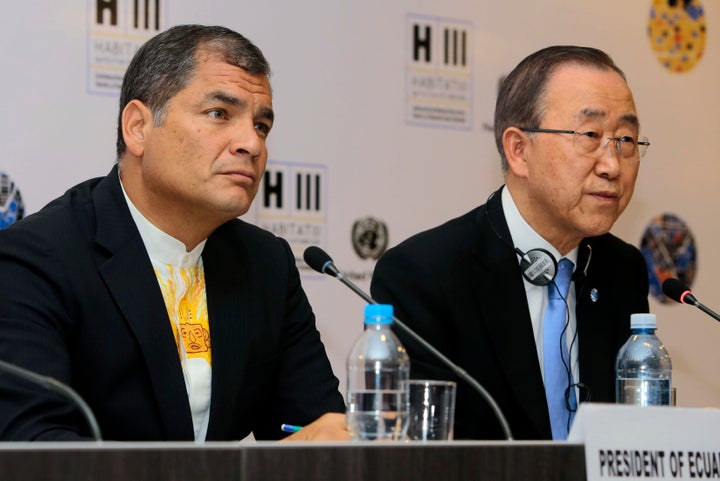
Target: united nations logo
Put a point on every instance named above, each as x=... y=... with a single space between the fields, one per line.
x=11 y=204
x=369 y=238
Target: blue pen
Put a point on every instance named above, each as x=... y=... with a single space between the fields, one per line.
x=289 y=428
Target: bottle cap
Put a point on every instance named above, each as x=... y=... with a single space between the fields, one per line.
x=643 y=321
x=378 y=314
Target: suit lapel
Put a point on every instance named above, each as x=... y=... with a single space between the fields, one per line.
x=506 y=315
x=131 y=281
x=595 y=322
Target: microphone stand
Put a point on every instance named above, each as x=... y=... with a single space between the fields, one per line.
x=679 y=292
x=693 y=301
x=460 y=372
x=57 y=387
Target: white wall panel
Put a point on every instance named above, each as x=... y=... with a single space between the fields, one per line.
x=339 y=84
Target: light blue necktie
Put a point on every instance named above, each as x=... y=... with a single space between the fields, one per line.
x=558 y=377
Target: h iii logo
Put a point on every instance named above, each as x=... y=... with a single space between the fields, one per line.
x=143 y=14
x=116 y=29
x=429 y=39
x=438 y=72
x=292 y=189
x=291 y=203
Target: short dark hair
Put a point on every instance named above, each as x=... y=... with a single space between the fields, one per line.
x=165 y=64
x=521 y=94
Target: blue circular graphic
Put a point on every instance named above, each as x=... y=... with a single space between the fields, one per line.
x=669 y=250
x=11 y=204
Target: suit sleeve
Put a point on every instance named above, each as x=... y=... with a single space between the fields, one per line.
x=34 y=316
x=306 y=387
x=406 y=279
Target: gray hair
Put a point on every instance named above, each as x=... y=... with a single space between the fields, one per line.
x=521 y=94
x=166 y=63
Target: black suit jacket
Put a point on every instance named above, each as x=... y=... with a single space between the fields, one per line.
x=79 y=301
x=460 y=287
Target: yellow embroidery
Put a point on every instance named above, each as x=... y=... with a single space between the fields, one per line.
x=184 y=292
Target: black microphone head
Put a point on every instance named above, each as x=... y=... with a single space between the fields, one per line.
x=318 y=260
x=675 y=290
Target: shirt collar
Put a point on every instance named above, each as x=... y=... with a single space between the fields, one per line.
x=162 y=247
x=524 y=237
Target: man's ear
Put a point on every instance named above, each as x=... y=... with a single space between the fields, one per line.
x=516 y=144
x=137 y=119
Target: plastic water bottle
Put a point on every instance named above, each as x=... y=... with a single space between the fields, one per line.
x=643 y=367
x=378 y=368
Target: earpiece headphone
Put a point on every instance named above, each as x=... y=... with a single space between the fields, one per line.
x=538 y=266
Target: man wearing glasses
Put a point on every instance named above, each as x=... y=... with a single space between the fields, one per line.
x=529 y=293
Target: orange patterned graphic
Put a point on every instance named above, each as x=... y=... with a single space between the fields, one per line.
x=677 y=31
x=196 y=338
x=183 y=289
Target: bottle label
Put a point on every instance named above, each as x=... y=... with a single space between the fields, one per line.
x=643 y=392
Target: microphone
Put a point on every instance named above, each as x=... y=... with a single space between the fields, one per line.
x=321 y=262
x=679 y=292
x=57 y=387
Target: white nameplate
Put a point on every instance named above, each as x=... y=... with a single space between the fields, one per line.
x=630 y=442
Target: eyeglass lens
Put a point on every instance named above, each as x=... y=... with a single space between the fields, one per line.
x=626 y=146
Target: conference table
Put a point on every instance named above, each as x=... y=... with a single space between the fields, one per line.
x=261 y=461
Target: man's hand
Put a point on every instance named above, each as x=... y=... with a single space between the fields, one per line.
x=328 y=427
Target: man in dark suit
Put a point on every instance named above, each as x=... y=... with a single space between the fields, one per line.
x=479 y=287
x=172 y=318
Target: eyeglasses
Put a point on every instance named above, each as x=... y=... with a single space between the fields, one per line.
x=587 y=143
